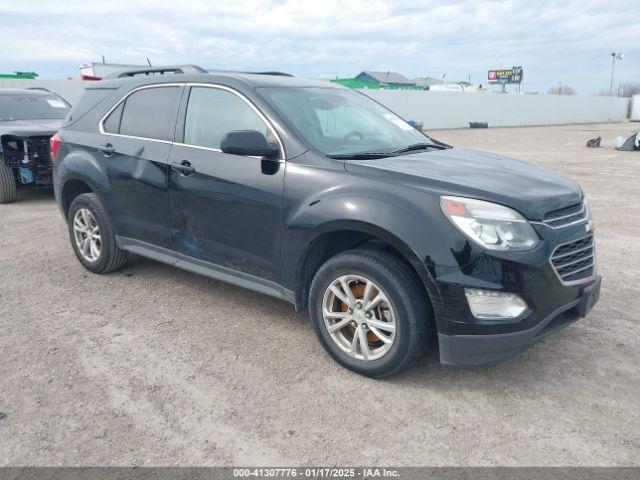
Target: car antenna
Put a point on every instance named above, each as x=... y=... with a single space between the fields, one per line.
x=149 y=62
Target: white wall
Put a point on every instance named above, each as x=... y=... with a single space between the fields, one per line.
x=457 y=109
x=635 y=108
x=446 y=109
x=70 y=90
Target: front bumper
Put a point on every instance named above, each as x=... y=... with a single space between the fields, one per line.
x=489 y=348
x=33 y=157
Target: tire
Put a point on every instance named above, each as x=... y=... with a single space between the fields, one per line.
x=407 y=310
x=110 y=257
x=8 y=187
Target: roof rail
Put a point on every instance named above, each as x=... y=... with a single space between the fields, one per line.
x=279 y=74
x=188 y=69
x=244 y=72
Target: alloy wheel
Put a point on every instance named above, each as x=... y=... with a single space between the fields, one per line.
x=87 y=235
x=359 y=317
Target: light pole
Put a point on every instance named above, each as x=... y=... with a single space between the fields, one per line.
x=614 y=56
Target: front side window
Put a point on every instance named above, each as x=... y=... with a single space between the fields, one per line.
x=214 y=112
x=147 y=113
x=339 y=121
x=31 y=106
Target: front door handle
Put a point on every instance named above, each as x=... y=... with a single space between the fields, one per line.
x=183 y=167
x=107 y=149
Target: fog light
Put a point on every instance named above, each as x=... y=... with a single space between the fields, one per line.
x=489 y=304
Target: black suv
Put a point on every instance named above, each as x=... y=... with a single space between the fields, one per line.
x=318 y=195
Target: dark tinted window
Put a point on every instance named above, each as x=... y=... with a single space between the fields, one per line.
x=148 y=113
x=30 y=106
x=112 y=122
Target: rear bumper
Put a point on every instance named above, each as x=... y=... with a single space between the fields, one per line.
x=480 y=349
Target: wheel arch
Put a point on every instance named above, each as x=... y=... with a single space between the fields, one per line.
x=76 y=173
x=335 y=237
x=72 y=188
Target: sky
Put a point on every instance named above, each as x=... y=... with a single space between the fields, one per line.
x=567 y=42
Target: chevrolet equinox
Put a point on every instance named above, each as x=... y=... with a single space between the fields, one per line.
x=318 y=195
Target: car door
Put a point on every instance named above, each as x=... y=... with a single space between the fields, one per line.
x=226 y=209
x=138 y=134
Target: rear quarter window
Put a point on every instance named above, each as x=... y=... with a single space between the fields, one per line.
x=112 y=122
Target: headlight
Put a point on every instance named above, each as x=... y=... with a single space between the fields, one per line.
x=493 y=226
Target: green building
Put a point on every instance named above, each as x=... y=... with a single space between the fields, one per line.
x=20 y=75
x=378 y=80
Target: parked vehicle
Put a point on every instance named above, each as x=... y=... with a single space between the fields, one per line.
x=318 y=195
x=28 y=119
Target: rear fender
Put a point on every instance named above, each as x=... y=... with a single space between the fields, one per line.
x=77 y=164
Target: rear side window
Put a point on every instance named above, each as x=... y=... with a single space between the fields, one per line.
x=147 y=113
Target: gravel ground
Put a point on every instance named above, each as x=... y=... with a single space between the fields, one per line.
x=156 y=366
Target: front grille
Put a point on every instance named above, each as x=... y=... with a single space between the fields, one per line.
x=566 y=216
x=575 y=260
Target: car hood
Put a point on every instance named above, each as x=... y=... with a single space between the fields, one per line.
x=30 y=128
x=529 y=188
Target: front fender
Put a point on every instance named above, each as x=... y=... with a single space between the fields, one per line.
x=320 y=201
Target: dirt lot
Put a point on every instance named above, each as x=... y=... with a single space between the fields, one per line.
x=156 y=366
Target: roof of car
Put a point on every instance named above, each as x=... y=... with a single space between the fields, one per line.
x=250 y=79
x=265 y=80
x=14 y=91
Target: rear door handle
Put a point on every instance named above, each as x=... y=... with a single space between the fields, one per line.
x=183 y=167
x=107 y=149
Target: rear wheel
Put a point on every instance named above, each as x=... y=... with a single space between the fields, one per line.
x=8 y=187
x=92 y=237
x=369 y=312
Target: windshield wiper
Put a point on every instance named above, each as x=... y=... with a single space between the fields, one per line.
x=359 y=156
x=421 y=146
x=372 y=155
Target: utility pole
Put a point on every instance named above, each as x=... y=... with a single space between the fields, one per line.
x=614 y=56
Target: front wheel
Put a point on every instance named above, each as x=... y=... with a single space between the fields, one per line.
x=8 y=187
x=370 y=312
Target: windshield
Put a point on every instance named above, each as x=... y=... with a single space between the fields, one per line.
x=342 y=122
x=30 y=106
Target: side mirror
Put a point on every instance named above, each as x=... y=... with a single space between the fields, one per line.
x=248 y=142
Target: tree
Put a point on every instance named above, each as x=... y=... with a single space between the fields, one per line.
x=629 y=89
x=562 y=90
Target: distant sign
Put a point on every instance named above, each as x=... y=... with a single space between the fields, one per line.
x=512 y=75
